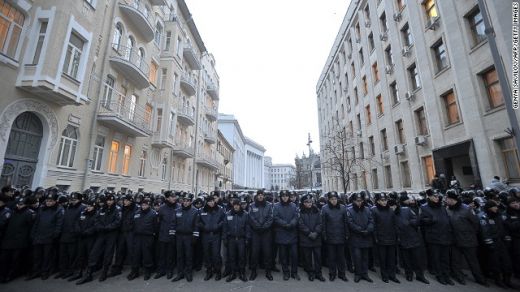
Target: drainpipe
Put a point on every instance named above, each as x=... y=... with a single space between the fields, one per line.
x=93 y=135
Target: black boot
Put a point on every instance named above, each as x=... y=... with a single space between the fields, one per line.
x=218 y=275
x=343 y=277
x=103 y=275
x=169 y=275
x=507 y=281
x=32 y=276
x=133 y=274
x=311 y=277
x=231 y=277
x=76 y=276
x=268 y=275
x=189 y=277
x=295 y=276
x=253 y=275
x=286 y=276
x=115 y=271
x=178 y=278
x=420 y=277
x=87 y=278
x=147 y=274
x=209 y=274
x=159 y=275
x=242 y=276
x=320 y=277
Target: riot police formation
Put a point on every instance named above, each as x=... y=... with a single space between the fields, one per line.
x=48 y=232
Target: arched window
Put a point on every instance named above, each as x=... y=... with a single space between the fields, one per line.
x=68 y=146
x=131 y=108
x=118 y=34
x=130 y=43
x=140 y=57
x=158 y=33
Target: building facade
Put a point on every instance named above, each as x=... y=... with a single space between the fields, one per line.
x=305 y=166
x=225 y=163
x=282 y=177
x=106 y=95
x=268 y=163
x=411 y=89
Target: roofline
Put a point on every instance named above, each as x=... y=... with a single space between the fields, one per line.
x=234 y=121
x=223 y=138
x=191 y=25
x=255 y=144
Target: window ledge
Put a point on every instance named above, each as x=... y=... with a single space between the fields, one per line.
x=71 y=78
x=113 y=174
x=125 y=175
x=414 y=91
x=453 y=125
x=9 y=62
x=97 y=171
x=491 y=111
x=380 y=115
x=477 y=46
x=91 y=5
x=65 y=167
x=438 y=73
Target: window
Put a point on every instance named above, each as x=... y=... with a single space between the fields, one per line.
x=361 y=150
x=365 y=85
x=372 y=145
x=371 y=45
x=368 y=115
x=112 y=160
x=108 y=91
x=132 y=106
x=163 y=169
x=11 y=24
x=164 y=78
x=364 y=177
x=510 y=157
x=429 y=169
x=361 y=57
x=148 y=115
x=452 y=112
x=358 y=32
x=99 y=145
x=140 y=58
x=127 y=153
x=168 y=41
x=405 y=174
x=388 y=177
x=382 y=21
x=493 y=89
x=394 y=91
x=159 y=119
x=422 y=126
x=400 y=132
x=375 y=72
x=129 y=50
x=356 y=96
x=118 y=34
x=172 y=125
x=380 y=109
x=367 y=13
x=73 y=56
x=178 y=47
x=39 y=43
x=430 y=9
x=375 y=183
x=477 y=26
x=407 y=35
x=413 y=75
x=158 y=33
x=153 y=73
x=174 y=82
x=353 y=69
x=441 y=58
x=400 y=5
x=384 y=140
x=68 y=145
x=389 y=57
x=350 y=45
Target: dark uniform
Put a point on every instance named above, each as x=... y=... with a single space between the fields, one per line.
x=16 y=241
x=310 y=230
x=261 y=221
x=512 y=225
x=166 y=256
x=210 y=224
x=69 y=237
x=125 y=237
x=5 y=214
x=286 y=235
x=236 y=233
x=86 y=227
x=335 y=234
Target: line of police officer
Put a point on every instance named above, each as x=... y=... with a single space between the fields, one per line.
x=79 y=234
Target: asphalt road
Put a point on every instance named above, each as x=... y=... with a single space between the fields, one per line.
x=120 y=283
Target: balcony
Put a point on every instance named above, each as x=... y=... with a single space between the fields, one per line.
x=162 y=140
x=212 y=91
x=188 y=84
x=191 y=57
x=126 y=61
x=186 y=115
x=211 y=113
x=119 y=114
x=210 y=137
x=206 y=160
x=140 y=16
x=183 y=150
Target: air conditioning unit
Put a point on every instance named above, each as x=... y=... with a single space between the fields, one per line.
x=389 y=69
x=399 y=149
x=383 y=36
x=432 y=23
x=409 y=95
x=406 y=51
x=398 y=16
x=367 y=23
x=420 y=140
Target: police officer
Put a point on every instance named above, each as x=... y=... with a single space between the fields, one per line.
x=236 y=233
x=285 y=215
x=310 y=230
x=45 y=232
x=211 y=224
x=187 y=231
x=261 y=221
x=410 y=240
x=86 y=229
x=385 y=234
x=438 y=235
x=465 y=231
x=16 y=240
x=335 y=234
x=124 y=245
x=492 y=232
x=69 y=236
x=108 y=222
x=512 y=225
x=5 y=214
x=167 y=251
x=144 y=228
x=361 y=226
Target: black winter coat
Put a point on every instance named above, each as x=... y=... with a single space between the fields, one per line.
x=408 y=228
x=145 y=222
x=286 y=223
x=211 y=220
x=335 y=226
x=166 y=216
x=361 y=225
x=385 y=225
x=465 y=225
x=492 y=228
x=310 y=222
x=69 y=233
x=236 y=225
x=108 y=219
x=48 y=225
x=261 y=216
x=436 y=224
x=512 y=224
x=87 y=223
x=127 y=217
x=5 y=214
x=18 y=230
x=186 y=221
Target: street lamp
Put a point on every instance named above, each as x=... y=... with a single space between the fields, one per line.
x=310 y=157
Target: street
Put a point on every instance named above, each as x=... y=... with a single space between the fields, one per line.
x=120 y=283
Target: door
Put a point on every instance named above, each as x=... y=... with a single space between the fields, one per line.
x=22 y=151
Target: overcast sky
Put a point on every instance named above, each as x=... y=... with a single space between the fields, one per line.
x=269 y=55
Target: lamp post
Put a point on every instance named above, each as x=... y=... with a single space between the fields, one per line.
x=310 y=157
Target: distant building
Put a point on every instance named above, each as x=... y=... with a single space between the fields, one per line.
x=282 y=177
x=303 y=171
x=268 y=163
